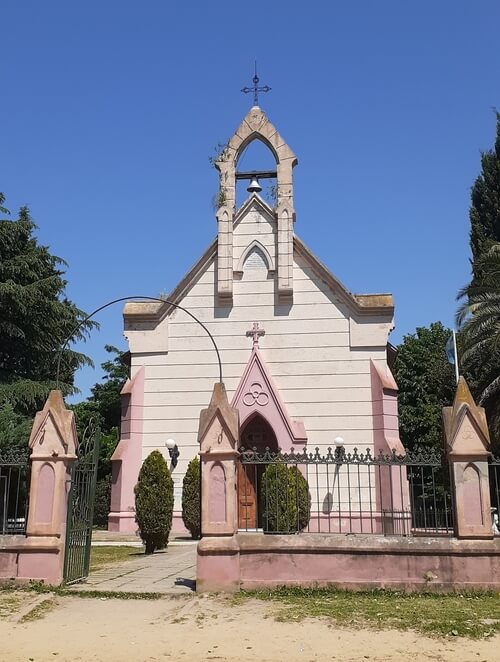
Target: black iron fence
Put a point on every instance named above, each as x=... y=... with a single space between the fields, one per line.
x=14 y=490
x=495 y=493
x=344 y=492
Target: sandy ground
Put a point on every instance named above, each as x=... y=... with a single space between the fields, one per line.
x=204 y=628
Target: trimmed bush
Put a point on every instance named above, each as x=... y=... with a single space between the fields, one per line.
x=285 y=499
x=102 y=502
x=191 y=498
x=154 y=502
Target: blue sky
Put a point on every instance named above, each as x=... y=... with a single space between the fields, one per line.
x=110 y=110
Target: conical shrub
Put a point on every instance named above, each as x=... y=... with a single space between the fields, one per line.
x=154 y=502
x=285 y=499
x=191 y=498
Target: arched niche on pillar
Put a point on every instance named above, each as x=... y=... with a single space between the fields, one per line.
x=468 y=448
x=218 y=439
x=53 y=443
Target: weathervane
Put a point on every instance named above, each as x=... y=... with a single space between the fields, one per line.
x=255 y=89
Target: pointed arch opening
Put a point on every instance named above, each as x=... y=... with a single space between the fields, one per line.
x=256 y=433
x=254 y=257
x=256 y=154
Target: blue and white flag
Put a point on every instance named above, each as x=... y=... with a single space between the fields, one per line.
x=450 y=350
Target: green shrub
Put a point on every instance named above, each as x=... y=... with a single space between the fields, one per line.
x=154 y=502
x=191 y=498
x=102 y=502
x=285 y=499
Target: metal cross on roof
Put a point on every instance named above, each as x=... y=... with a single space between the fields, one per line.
x=255 y=333
x=255 y=89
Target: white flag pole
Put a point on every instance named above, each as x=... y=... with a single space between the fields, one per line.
x=456 y=355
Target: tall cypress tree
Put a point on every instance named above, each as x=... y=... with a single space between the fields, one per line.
x=35 y=318
x=485 y=203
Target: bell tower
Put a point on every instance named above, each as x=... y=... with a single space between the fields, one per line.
x=255 y=126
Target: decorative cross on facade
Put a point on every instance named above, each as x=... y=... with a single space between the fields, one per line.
x=255 y=333
x=255 y=89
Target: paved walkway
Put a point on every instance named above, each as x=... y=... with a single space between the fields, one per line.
x=172 y=571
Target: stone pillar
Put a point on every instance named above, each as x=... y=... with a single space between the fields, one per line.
x=218 y=555
x=392 y=488
x=53 y=444
x=126 y=460
x=468 y=447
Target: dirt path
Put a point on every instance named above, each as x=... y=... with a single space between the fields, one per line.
x=203 y=628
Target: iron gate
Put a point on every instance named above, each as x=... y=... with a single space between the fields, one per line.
x=81 y=506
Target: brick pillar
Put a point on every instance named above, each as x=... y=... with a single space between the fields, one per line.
x=468 y=448
x=218 y=555
x=53 y=444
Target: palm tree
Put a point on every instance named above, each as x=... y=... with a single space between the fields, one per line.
x=478 y=319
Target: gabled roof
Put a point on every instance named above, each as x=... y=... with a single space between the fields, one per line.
x=254 y=200
x=62 y=419
x=257 y=394
x=359 y=304
x=466 y=413
x=227 y=416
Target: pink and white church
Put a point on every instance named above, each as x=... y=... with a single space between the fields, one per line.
x=304 y=360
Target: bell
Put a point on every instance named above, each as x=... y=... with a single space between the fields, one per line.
x=254 y=187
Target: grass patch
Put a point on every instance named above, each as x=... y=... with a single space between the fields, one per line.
x=8 y=593
x=473 y=615
x=65 y=591
x=11 y=600
x=101 y=557
x=39 y=610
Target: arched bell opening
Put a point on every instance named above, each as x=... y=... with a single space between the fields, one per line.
x=257 y=434
x=256 y=172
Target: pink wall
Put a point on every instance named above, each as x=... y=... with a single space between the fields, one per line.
x=354 y=562
x=23 y=559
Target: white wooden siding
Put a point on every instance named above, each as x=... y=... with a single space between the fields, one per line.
x=322 y=381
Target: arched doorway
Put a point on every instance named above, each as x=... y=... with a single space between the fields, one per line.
x=257 y=433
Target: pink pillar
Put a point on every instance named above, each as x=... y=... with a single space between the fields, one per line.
x=392 y=490
x=218 y=557
x=127 y=459
x=53 y=444
x=468 y=447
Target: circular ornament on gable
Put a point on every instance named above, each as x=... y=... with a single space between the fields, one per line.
x=255 y=395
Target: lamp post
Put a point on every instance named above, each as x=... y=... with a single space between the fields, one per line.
x=173 y=451
x=339 y=449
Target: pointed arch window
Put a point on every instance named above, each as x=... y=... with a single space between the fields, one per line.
x=255 y=257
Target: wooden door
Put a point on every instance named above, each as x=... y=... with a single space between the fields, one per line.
x=247 y=497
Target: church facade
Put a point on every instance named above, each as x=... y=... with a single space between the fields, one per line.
x=304 y=360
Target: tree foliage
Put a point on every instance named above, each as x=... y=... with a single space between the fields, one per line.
x=484 y=212
x=15 y=430
x=35 y=318
x=285 y=499
x=104 y=407
x=478 y=314
x=106 y=394
x=154 y=502
x=191 y=505
x=426 y=384
x=102 y=502
x=479 y=319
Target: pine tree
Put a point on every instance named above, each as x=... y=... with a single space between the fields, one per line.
x=35 y=318
x=484 y=212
